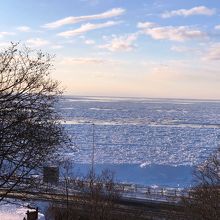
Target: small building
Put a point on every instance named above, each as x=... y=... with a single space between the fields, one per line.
x=51 y=174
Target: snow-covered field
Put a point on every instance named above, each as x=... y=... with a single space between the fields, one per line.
x=142 y=133
x=15 y=210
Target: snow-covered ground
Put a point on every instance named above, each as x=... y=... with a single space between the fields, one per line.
x=15 y=210
x=142 y=132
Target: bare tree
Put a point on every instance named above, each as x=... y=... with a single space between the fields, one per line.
x=204 y=199
x=96 y=199
x=30 y=132
x=101 y=194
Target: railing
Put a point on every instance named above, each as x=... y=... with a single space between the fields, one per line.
x=131 y=191
x=134 y=191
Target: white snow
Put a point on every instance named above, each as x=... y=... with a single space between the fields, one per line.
x=17 y=211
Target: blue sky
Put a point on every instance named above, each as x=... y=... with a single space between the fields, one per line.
x=141 y=48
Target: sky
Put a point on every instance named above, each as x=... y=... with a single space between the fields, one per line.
x=126 y=48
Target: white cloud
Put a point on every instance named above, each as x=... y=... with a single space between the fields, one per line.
x=199 y=10
x=5 y=44
x=72 y=20
x=173 y=33
x=146 y=24
x=56 y=46
x=37 y=42
x=206 y=52
x=89 y=42
x=180 y=49
x=23 y=29
x=5 y=33
x=87 y=27
x=85 y=60
x=91 y=2
x=121 y=43
x=217 y=27
x=180 y=33
x=189 y=51
x=213 y=53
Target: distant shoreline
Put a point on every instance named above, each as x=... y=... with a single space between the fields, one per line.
x=140 y=98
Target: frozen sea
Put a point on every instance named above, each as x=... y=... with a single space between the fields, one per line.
x=144 y=141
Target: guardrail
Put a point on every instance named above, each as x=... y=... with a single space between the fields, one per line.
x=126 y=190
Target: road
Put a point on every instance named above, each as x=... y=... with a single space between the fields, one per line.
x=151 y=209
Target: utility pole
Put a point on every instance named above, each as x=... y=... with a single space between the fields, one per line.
x=93 y=147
